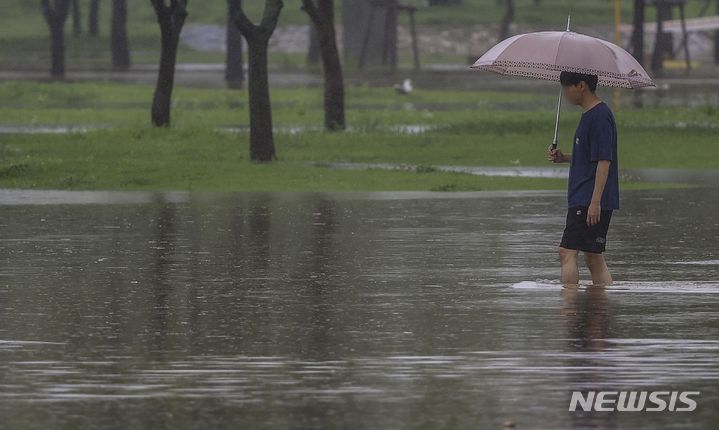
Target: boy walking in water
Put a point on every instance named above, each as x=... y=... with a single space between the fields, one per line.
x=593 y=189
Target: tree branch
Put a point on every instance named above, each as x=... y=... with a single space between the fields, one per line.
x=309 y=7
x=46 y=10
x=64 y=7
x=246 y=27
x=160 y=8
x=59 y=9
x=271 y=15
x=269 y=20
x=243 y=23
x=179 y=7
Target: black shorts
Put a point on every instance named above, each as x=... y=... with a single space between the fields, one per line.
x=580 y=236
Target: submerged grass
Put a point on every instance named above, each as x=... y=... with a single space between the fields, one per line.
x=173 y=159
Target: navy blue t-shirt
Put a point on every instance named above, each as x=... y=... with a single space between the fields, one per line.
x=594 y=140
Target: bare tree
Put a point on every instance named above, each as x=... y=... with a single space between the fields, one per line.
x=322 y=14
x=93 y=17
x=171 y=19
x=234 y=67
x=262 y=147
x=55 y=13
x=119 y=43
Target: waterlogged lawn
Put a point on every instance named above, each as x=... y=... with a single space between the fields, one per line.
x=207 y=147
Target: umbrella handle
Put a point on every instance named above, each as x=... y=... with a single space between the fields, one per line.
x=556 y=121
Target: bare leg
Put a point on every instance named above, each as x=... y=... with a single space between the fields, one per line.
x=570 y=271
x=599 y=269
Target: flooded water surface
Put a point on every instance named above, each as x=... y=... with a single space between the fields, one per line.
x=359 y=311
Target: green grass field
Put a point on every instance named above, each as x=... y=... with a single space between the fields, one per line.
x=198 y=152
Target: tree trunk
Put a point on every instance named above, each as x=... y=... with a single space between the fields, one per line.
x=76 y=18
x=162 y=102
x=506 y=19
x=171 y=19
x=93 y=17
x=716 y=40
x=234 y=67
x=119 y=43
x=57 y=37
x=55 y=16
x=313 y=51
x=334 y=89
x=321 y=13
x=638 y=31
x=262 y=146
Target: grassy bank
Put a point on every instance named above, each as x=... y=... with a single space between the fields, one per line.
x=200 y=152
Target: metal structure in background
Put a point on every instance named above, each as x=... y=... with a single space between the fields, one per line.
x=663 y=41
x=704 y=21
x=391 y=9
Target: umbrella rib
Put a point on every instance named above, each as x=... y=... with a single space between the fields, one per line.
x=559 y=45
x=605 y=46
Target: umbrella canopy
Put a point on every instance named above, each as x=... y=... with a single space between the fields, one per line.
x=545 y=54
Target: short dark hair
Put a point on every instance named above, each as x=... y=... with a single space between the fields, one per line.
x=572 y=78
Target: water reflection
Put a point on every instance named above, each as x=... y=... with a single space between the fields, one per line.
x=586 y=322
x=357 y=310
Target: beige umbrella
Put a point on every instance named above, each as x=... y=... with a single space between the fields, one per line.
x=545 y=54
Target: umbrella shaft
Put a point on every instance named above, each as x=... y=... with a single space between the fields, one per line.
x=559 y=102
x=556 y=121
